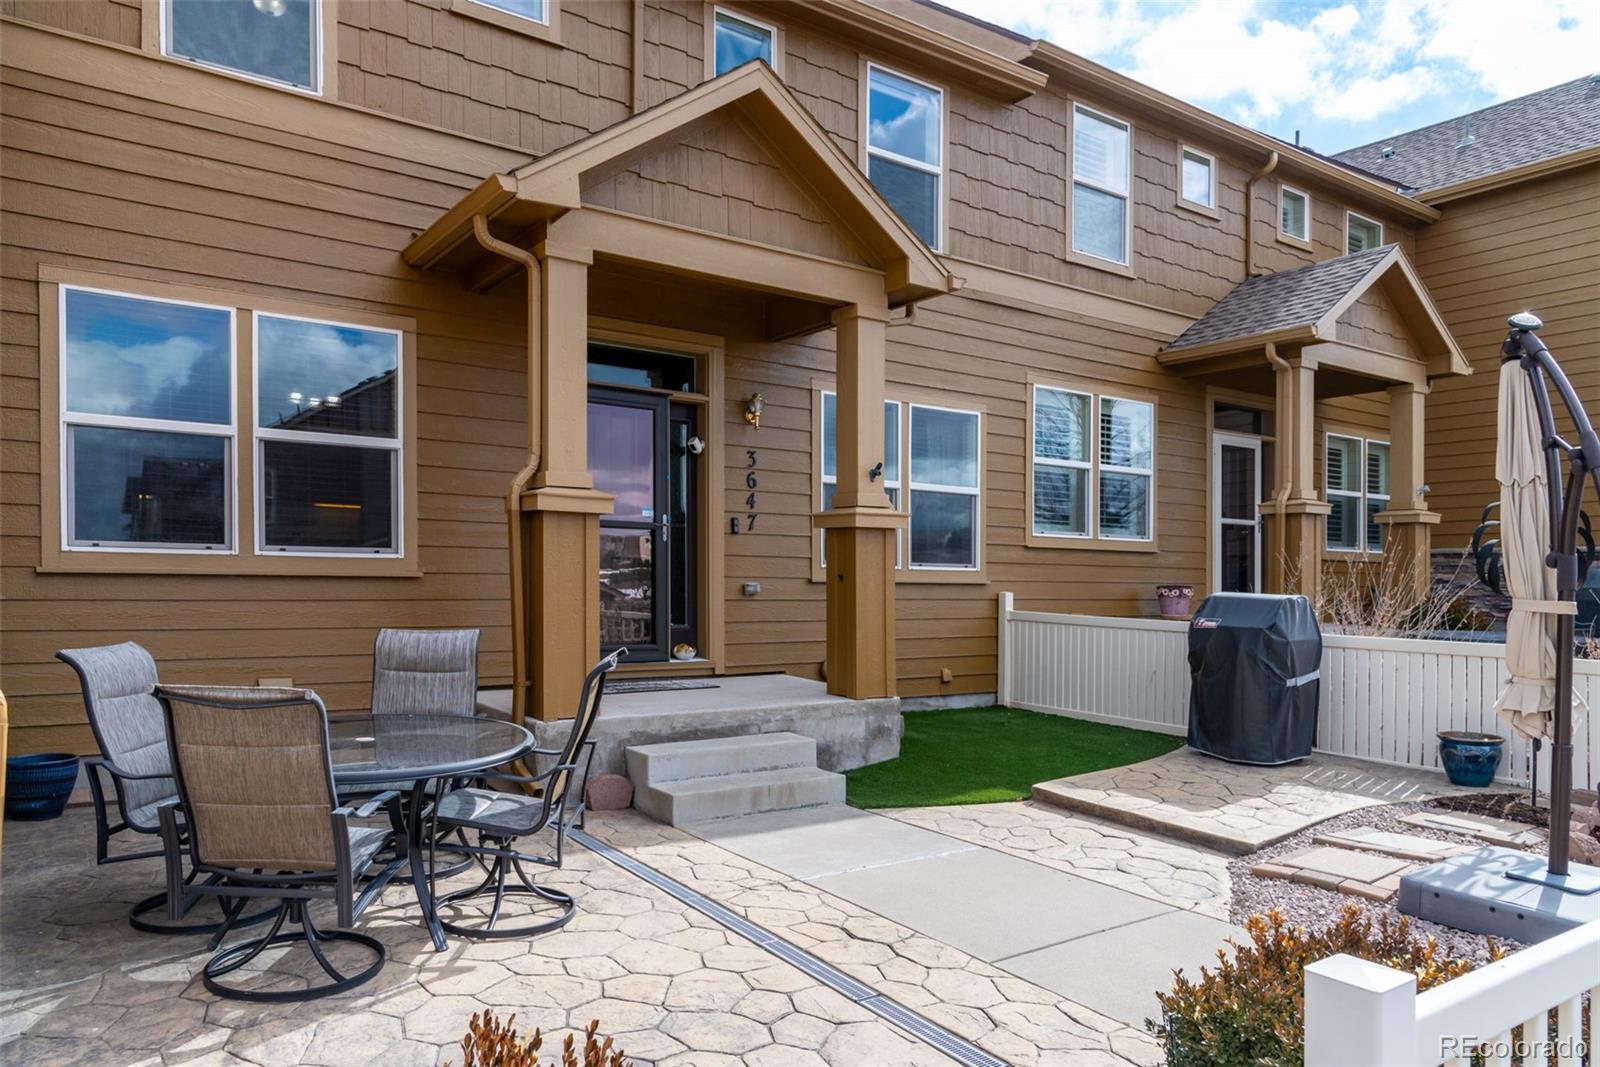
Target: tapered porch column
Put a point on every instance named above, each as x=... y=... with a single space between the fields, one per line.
x=1298 y=516
x=1408 y=522
x=861 y=525
x=562 y=509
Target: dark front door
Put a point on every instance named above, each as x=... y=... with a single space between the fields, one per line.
x=639 y=451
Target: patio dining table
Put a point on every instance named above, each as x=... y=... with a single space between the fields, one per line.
x=395 y=750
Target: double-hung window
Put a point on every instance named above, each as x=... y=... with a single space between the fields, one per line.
x=1356 y=482
x=738 y=39
x=830 y=458
x=1294 y=213
x=1361 y=233
x=147 y=423
x=946 y=475
x=905 y=149
x=192 y=426
x=1101 y=176
x=328 y=436
x=1093 y=466
x=276 y=41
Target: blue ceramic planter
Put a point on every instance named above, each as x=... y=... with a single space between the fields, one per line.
x=1470 y=759
x=37 y=786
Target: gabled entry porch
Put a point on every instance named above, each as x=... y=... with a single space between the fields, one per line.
x=640 y=257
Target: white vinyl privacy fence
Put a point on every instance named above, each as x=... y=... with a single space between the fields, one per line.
x=1383 y=698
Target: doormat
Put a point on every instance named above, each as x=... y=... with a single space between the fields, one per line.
x=659 y=685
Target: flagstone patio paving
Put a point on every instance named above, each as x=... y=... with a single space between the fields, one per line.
x=671 y=985
x=1233 y=807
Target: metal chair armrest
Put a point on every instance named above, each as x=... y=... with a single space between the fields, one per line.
x=102 y=763
x=371 y=805
x=525 y=778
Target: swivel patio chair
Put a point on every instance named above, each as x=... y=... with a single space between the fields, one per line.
x=125 y=717
x=501 y=819
x=255 y=784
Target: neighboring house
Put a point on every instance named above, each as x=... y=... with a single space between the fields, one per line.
x=1518 y=185
x=791 y=332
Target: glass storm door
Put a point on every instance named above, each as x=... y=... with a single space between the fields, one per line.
x=628 y=448
x=1236 y=496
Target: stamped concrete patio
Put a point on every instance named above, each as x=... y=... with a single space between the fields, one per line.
x=1235 y=808
x=673 y=986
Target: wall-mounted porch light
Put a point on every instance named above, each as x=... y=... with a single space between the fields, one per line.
x=753 y=408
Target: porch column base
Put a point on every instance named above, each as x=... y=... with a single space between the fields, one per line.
x=1408 y=542
x=562 y=532
x=1295 y=547
x=860 y=658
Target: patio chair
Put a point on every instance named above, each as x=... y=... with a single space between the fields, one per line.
x=255 y=782
x=118 y=683
x=425 y=672
x=503 y=818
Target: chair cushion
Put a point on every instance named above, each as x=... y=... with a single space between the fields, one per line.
x=147 y=817
x=491 y=811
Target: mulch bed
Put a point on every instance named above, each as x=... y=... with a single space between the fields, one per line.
x=1513 y=806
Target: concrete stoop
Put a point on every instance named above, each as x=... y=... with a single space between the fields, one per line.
x=723 y=777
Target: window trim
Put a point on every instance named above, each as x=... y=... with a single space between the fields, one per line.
x=262 y=434
x=976 y=492
x=1094 y=540
x=1284 y=188
x=548 y=30
x=1073 y=252
x=713 y=11
x=324 y=62
x=1350 y=215
x=228 y=431
x=244 y=560
x=1361 y=496
x=1185 y=150
x=940 y=172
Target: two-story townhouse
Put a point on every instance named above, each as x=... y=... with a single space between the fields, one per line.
x=1518 y=187
x=779 y=335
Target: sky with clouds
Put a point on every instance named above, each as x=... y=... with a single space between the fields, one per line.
x=1342 y=73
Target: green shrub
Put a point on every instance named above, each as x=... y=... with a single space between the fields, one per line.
x=1249 y=1011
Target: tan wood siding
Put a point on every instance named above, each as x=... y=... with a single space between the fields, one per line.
x=1533 y=246
x=117 y=21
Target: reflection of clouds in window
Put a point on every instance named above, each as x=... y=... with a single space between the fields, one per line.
x=147 y=358
x=904 y=118
x=305 y=366
x=270 y=39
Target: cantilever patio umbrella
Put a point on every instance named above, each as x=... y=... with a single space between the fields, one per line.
x=1529 y=699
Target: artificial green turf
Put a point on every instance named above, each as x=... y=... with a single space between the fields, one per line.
x=984 y=755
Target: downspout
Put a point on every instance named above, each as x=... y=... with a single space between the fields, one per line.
x=519 y=616
x=1249 y=216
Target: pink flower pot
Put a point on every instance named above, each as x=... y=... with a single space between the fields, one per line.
x=1176 y=600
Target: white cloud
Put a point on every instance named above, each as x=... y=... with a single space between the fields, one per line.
x=1514 y=49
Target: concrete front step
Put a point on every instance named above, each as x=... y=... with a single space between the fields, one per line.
x=676 y=761
x=727 y=795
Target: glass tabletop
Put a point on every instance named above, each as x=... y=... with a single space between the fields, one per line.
x=397 y=747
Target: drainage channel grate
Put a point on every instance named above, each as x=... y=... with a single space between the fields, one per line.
x=919 y=1026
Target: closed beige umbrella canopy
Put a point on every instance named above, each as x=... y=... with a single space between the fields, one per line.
x=1528 y=701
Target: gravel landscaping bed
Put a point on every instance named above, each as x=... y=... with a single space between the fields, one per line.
x=1311 y=907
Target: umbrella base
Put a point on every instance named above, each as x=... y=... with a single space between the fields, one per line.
x=1503 y=893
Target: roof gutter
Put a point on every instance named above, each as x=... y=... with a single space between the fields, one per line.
x=1250 y=214
x=1489 y=183
x=1123 y=89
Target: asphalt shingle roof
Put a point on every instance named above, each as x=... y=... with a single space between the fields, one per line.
x=1279 y=301
x=1539 y=126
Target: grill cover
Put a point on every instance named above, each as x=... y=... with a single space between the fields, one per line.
x=1253 y=664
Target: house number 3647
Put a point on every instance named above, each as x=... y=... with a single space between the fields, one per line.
x=750 y=483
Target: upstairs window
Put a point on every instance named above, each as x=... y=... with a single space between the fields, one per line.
x=945 y=484
x=1361 y=233
x=1101 y=170
x=147 y=423
x=328 y=436
x=1199 y=178
x=1356 y=482
x=905 y=149
x=737 y=40
x=277 y=41
x=1294 y=213
x=532 y=10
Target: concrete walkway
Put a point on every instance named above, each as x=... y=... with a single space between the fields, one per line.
x=1097 y=945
